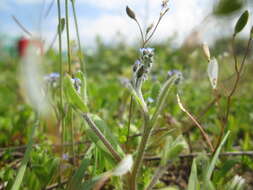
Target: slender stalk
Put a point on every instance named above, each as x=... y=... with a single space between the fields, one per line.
x=67 y=32
x=81 y=57
x=129 y=122
x=153 y=32
x=140 y=29
x=72 y=136
x=203 y=133
x=100 y=135
x=21 y=26
x=238 y=71
x=141 y=151
x=61 y=82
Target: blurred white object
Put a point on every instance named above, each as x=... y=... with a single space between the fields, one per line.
x=212 y=71
x=32 y=80
x=124 y=166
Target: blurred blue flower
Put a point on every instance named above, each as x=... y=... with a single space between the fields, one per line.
x=147 y=51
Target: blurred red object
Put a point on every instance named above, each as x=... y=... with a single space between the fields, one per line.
x=23 y=44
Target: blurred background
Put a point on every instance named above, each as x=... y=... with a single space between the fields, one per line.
x=205 y=20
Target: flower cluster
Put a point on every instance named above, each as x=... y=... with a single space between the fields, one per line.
x=52 y=79
x=142 y=67
x=176 y=72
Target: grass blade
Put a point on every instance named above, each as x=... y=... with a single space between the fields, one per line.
x=21 y=171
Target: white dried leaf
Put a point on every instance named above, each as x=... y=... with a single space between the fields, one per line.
x=212 y=70
x=124 y=166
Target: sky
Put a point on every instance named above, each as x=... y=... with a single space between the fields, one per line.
x=107 y=18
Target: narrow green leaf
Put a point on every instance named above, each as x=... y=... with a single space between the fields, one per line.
x=138 y=98
x=76 y=180
x=73 y=96
x=22 y=169
x=172 y=149
x=241 y=23
x=163 y=96
x=193 y=183
x=215 y=158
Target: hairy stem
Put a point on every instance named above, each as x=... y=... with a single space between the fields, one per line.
x=100 y=135
x=141 y=151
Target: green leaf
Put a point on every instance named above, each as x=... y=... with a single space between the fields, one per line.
x=163 y=97
x=193 y=183
x=138 y=98
x=73 y=96
x=22 y=169
x=215 y=159
x=76 y=179
x=172 y=149
x=227 y=7
x=90 y=183
x=241 y=23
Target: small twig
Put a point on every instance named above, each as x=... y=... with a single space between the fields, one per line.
x=54 y=186
x=223 y=154
x=21 y=26
x=203 y=133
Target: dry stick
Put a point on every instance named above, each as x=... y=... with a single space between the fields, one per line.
x=100 y=135
x=192 y=155
x=203 y=133
x=21 y=26
x=238 y=75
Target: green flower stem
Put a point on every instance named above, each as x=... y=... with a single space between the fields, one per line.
x=81 y=57
x=141 y=151
x=67 y=32
x=61 y=83
x=100 y=135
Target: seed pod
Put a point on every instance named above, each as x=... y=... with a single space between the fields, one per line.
x=130 y=13
x=212 y=71
x=206 y=51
